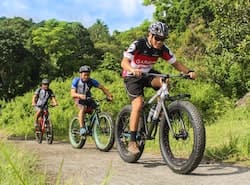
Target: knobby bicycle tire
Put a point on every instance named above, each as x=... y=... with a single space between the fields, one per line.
x=39 y=134
x=49 y=132
x=121 y=130
x=179 y=163
x=103 y=132
x=76 y=140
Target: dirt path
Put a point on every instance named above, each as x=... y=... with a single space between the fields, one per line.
x=88 y=166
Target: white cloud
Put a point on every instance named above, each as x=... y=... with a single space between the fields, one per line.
x=129 y=7
x=14 y=4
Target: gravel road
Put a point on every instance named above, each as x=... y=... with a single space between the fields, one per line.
x=88 y=166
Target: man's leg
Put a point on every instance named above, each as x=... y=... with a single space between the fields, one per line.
x=137 y=104
x=81 y=116
x=37 y=116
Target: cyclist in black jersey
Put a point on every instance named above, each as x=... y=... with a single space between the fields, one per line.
x=139 y=58
x=40 y=99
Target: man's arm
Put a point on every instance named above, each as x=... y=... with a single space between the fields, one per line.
x=54 y=101
x=34 y=99
x=182 y=68
x=106 y=92
x=125 y=64
x=74 y=94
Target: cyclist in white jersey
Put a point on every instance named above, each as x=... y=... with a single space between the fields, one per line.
x=140 y=57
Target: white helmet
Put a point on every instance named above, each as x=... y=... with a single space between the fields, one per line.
x=159 y=29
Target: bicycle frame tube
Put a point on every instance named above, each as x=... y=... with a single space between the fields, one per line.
x=44 y=117
x=162 y=94
x=94 y=118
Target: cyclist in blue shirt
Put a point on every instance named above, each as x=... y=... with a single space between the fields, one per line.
x=80 y=91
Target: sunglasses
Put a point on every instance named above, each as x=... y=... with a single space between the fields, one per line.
x=157 y=38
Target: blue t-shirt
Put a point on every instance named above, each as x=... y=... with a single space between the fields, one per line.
x=83 y=87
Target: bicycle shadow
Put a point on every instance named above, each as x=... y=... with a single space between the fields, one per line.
x=204 y=169
x=151 y=163
x=218 y=169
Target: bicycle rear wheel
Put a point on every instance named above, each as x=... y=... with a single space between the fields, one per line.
x=103 y=132
x=184 y=150
x=76 y=140
x=122 y=136
x=49 y=132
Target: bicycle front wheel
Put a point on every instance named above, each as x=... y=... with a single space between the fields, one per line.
x=103 y=132
x=49 y=132
x=76 y=140
x=39 y=133
x=182 y=147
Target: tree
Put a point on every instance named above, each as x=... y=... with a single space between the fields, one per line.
x=178 y=14
x=62 y=41
x=99 y=32
x=228 y=57
x=16 y=65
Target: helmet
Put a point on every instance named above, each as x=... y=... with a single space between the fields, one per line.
x=45 y=81
x=159 y=29
x=84 y=68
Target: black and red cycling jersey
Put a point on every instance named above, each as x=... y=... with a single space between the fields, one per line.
x=143 y=56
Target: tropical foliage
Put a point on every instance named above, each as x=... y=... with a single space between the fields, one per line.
x=212 y=37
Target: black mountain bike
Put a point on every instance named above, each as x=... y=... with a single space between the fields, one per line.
x=98 y=124
x=181 y=130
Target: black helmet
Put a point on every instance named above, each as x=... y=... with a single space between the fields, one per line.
x=45 y=81
x=159 y=29
x=84 y=68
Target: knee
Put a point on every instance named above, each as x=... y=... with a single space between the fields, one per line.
x=137 y=104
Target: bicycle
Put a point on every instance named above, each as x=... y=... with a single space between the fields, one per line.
x=181 y=130
x=98 y=124
x=44 y=126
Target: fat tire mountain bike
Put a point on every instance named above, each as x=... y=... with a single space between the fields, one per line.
x=181 y=129
x=98 y=124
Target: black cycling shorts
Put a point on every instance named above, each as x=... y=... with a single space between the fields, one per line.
x=89 y=103
x=135 y=85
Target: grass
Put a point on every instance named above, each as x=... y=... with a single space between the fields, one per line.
x=18 y=167
x=229 y=139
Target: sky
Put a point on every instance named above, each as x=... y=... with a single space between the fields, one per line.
x=118 y=15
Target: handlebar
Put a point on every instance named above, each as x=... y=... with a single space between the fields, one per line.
x=181 y=75
x=98 y=100
x=48 y=106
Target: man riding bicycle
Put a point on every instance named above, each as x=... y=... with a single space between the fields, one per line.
x=80 y=91
x=139 y=58
x=40 y=99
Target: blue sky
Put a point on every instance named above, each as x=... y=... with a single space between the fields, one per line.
x=116 y=14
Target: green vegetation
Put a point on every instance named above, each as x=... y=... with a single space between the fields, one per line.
x=211 y=37
x=19 y=167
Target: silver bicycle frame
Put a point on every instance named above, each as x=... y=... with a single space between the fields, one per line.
x=161 y=96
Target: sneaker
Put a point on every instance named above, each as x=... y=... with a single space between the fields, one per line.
x=82 y=131
x=133 y=148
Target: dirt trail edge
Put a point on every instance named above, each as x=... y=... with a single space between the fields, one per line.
x=88 y=166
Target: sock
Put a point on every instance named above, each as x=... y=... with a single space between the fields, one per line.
x=133 y=136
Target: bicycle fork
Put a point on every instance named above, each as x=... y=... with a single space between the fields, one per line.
x=182 y=132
